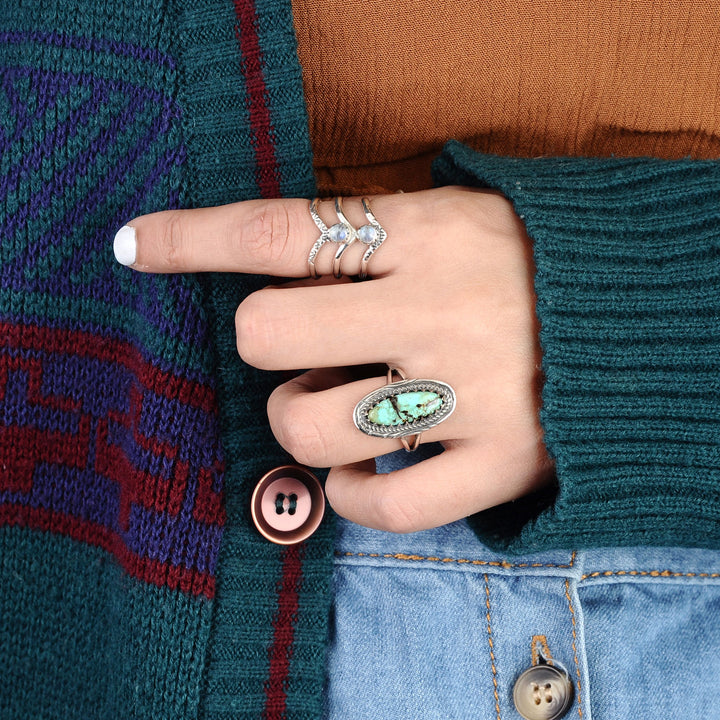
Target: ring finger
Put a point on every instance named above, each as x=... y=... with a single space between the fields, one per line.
x=312 y=418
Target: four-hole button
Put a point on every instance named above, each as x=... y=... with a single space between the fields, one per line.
x=543 y=693
x=288 y=504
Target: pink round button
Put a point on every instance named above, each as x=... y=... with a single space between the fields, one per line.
x=288 y=504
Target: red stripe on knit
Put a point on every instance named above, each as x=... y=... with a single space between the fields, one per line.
x=162 y=574
x=97 y=347
x=268 y=172
x=284 y=627
x=268 y=179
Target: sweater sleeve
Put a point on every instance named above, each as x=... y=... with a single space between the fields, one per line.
x=627 y=263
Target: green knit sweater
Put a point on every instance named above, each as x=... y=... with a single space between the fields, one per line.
x=627 y=255
x=132 y=583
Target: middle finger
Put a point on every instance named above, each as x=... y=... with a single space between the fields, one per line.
x=325 y=326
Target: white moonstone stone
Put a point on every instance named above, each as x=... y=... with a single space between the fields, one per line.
x=338 y=233
x=367 y=234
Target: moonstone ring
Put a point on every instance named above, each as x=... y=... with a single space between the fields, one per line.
x=342 y=233
x=348 y=237
x=404 y=409
x=372 y=235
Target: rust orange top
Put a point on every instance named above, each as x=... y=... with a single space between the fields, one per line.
x=387 y=83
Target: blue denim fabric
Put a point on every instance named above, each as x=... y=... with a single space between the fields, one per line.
x=434 y=625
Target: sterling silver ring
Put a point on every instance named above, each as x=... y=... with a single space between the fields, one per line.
x=404 y=408
x=373 y=235
x=341 y=232
x=349 y=237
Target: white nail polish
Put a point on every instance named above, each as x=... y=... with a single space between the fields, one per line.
x=125 y=245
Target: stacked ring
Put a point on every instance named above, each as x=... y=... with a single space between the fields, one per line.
x=348 y=238
x=373 y=235
x=342 y=233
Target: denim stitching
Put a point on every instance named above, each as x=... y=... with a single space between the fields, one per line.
x=459 y=561
x=490 y=642
x=574 y=647
x=649 y=573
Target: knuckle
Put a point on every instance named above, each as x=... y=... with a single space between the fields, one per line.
x=396 y=514
x=449 y=204
x=270 y=229
x=463 y=209
x=174 y=242
x=299 y=430
x=253 y=331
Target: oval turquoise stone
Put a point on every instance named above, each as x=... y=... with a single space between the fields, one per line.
x=404 y=407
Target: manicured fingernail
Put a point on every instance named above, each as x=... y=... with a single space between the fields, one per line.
x=125 y=245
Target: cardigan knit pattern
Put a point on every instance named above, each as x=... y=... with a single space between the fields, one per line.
x=114 y=488
x=132 y=583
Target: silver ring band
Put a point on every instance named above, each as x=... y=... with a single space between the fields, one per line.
x=350 y=239
x=373 y=235
x=324 y=237
x=342 y=233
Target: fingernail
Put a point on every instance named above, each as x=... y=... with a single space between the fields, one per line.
x=125 y=245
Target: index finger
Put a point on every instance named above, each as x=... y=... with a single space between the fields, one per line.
x=269 y=237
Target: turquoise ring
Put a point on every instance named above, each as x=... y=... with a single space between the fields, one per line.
x=404 y=409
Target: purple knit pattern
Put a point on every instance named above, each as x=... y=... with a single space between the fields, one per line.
x=107 y=412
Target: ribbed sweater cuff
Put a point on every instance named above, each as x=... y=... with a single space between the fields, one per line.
x=627 y=255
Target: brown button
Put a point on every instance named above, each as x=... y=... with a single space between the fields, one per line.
x=288 y=504
x=543 y=693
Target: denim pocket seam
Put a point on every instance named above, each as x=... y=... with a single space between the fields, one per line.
x=492 y=648
x=458 y=561
x=574 y=647
x=649 y=573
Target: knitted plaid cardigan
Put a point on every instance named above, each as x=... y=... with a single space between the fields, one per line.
x=132 y=583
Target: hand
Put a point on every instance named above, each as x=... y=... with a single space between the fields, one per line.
x=451 y=299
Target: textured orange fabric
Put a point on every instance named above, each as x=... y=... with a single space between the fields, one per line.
x=389 y=82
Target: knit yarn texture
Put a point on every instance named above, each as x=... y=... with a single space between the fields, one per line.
x=627 y=255
x=131 y=582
